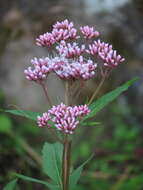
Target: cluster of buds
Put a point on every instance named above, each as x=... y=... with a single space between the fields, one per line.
x=46 y=39
x=65 y=118
x=70 y=60
x=80 y=69
x=41 y=68
x=106 y=53
x=61 y=31
x=89 y=32
x=69 y=50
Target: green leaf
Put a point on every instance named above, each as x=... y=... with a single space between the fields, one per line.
x=99 y=104
x=5 y=124
x=52 y=161
x=11 y=185
x=27 y=114
x=74 y=177
x=26 y=178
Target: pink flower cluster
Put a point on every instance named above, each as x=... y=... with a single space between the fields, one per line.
x=79 y=69
x=64 y=117
x=42 y=121
x=61 y=31
x=106 y=53
x=71 y=59
x=89 y=32
x=46 y=39
x=69 y=50
x=42 y=67
x=63 y=67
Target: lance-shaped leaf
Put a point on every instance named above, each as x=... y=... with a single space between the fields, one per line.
x=23 y=113
x=74 y=177
x=52 y=161
x=100 y=103
x=34 y=180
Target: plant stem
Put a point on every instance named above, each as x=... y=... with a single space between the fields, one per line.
x=97 y=89
x=66 y=162
x=78 y=90
x=67 y=148
x=67 y=93
x=46 y=93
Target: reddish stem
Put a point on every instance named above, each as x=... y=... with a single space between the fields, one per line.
x=98 y=88
x=66 y=163
x=46 y=93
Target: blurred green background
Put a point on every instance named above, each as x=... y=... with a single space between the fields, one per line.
x=118 y=141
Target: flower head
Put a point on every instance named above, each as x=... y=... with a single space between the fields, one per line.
x=40 y=70
x=69 y=50
x=64 y=117
x=89 y=32
x=42 y=121
x=63 y=25
x=61 y=31
x=75 y=69
x=111 y=59
x=106 y=53
x=46 y=39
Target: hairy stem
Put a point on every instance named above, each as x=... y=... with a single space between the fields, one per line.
x=46 y=93
x=66 y=162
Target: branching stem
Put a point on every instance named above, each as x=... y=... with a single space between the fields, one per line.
x=46 y=93
x=98 y=88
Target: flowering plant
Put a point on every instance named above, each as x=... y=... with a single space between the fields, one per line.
x=76 y=56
